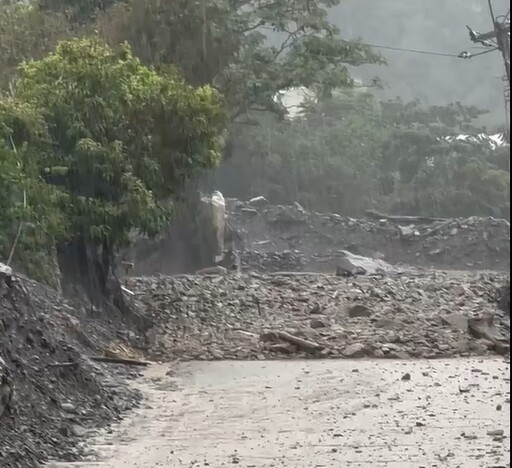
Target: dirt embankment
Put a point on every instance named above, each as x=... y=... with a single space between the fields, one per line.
x=425 y=314
x=52 y=394
x=288 y=238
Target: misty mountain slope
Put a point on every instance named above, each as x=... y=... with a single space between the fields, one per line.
x=434 y=25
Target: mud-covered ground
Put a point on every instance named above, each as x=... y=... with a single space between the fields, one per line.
x=426 y=314
x=313 y=414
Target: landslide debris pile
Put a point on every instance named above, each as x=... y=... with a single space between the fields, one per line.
x=289 y=238
x=59 y=394
x=426 y=315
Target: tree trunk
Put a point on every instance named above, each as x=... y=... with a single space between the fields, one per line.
x=89 y=269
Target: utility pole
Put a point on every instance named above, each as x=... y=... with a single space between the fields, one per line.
x=499 y=37
x=502 y=30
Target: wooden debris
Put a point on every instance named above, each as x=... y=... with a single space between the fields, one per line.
x=124 y=361
x=403 y=219
x=300 y=343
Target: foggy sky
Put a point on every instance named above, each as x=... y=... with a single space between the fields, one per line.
x=436 y=25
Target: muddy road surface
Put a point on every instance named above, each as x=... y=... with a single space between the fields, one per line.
x=305 y=414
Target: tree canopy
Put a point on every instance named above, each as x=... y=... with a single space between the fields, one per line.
x=115 y=139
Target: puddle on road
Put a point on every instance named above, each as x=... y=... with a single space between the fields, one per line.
x=303 y=414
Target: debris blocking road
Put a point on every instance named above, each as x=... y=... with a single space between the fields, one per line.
x=423 y=315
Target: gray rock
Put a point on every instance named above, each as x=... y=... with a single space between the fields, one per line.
x=317 y=323
x=388 y=324
x=258 y=201
x=353 y=265
x=359 y=311
x=356 y=350
x=456 y=321
x=68 y=407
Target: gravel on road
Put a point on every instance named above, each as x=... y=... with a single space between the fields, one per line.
x=312 y=414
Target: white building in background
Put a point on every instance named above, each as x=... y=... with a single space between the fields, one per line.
x=292 y=100
x=497 y=140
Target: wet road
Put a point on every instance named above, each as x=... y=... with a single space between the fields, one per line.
x=301 y=414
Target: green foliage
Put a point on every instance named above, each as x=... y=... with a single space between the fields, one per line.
x=352 y=153
x=122 y=137
x=248 y=50
x=30 y=219
x=100 y=145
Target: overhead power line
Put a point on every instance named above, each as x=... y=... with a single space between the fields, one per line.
x=412 y=51
x=397 y=49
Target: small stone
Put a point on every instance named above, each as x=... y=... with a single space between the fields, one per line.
x=496 y=432
x=68 y=407
x=317 y=323
x=78 y=431
x=378 y=353
x=359 y=311
x=406 y=376
x=316 y=310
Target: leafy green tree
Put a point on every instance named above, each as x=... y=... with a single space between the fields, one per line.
x=248 y=50
x=30 y=220
x=122 y=142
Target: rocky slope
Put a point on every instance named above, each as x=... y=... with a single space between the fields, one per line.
x=427 y=314
x=275 y=238
x=52 y=395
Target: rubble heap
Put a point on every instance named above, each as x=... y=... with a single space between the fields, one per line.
x=312 y=241
x=51 y=394
x=425 y=315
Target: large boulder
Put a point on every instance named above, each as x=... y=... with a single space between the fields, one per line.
x=350 y=264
